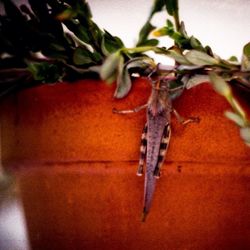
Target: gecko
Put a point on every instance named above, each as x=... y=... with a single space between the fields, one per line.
x=155 y=136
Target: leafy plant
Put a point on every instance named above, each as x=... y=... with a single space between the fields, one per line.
x=195 y=63
x=51 y=41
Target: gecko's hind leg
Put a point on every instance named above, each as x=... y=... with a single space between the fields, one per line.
x=184 y=121
x=163 y=150
x=129 y=111
x=143 y=149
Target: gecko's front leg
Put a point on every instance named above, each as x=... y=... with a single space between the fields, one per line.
x=129 y=111
x=143 y=147
x=183 y=120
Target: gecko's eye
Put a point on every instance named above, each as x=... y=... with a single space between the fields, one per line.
x=161 y=112
x=164 y=88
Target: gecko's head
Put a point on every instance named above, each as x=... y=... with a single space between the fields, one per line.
x=160 y=85
x=158 y=101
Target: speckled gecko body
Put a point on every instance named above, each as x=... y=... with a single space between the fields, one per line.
x=156 y=134
x=155 y=139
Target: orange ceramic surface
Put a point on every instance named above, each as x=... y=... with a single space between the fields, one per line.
x=75 y=123
x=78 y=162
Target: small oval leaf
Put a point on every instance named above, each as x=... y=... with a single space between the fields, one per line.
x=196 y=44
x=140 y=62
x=245 y=135
x=196 y=80
x=178 y=57
x=200 y=58
x=246 y=50
x=82 y=56
x=220 y=85
x=124 y=83
x=110 y=66
x=245 y=62
x=233 y=59
x=183 y=30
x=110 y=44
x=172 y=7
x=150 y=42
x=157 y=6
x=144 y=33
x=237 y=107
x=235 y=118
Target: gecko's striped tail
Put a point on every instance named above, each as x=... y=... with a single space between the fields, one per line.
x=150 y=183
x=143 y=149
x=144 y=215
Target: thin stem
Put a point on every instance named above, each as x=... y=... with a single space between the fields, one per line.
x=177 y=21
x=144 y=49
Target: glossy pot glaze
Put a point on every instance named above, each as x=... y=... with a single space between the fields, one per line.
x=75 y=162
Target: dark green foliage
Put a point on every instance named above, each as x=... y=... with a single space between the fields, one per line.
x=246 y=50
x=144 y=33
x=45 y=72
x=172 y=7
x=157 y=6
x=52 y=39
x=110 y=43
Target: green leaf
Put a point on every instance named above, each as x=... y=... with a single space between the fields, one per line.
x=176 y=88
x=150 y=42
x=111 y=44
x=246 y=50
x=170 y=24
x=67 y=14
x=245 y=135
x=79 y=31
x=196 y=80
x=97 y=34
x=84 y=7
x=220 y=85
x=164 y=31
x=245 y=63
x=209 y=50
x=140 y=62
x=200 y=58
x=196 y=44
x=112 y=78
x=237 y=107
x=157 y=6
x=97 y=57
x=183 y=30
x=144 y=33
x=233 y=59
x=178 y=57
x=235 y=118
x=110 y=66
x=13 y=12
x=172 y=7
x=124 y=83
x=188 y=67
x=45 y=72
x=82 y=56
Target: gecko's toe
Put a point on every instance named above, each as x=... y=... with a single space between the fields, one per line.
x=157 y=173
x=196 y=119
x=140 y=170
x=144 y=216
x=114 y=110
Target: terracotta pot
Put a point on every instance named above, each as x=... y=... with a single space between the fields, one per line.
x=77 y=160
